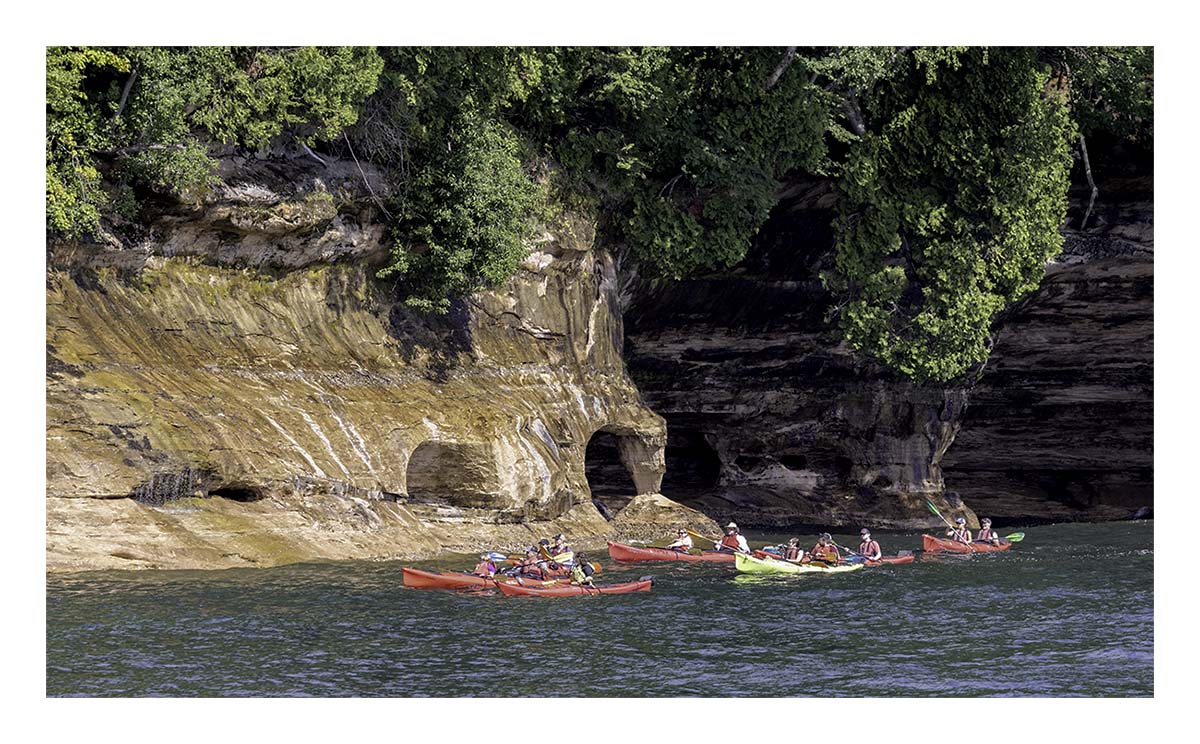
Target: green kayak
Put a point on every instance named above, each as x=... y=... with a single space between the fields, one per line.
x=750 y=564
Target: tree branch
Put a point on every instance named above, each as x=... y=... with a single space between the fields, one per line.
x=367 y=181
x=125 y=94
x=1087 y=168
x=850 y=103
x=781 y=68
x=313 y=155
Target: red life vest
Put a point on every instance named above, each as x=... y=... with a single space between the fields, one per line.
x=791 y=553
x=870 y=548
x=731 y=541
x=962 y=536
x=987 y=535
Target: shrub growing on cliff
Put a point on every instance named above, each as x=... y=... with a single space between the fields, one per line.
x=953 y=201
x=147 y=117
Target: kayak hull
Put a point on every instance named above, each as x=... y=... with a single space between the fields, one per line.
x=750 y=564
x=417 y=578
x=933 y=544
x=893 y=560
x=573 y=590
x=630 y=554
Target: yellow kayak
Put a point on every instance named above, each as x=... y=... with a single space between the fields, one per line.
x=750 y=564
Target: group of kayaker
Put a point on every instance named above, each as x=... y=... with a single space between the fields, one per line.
x=542 y=562
x=960 y=533
x=825 y=550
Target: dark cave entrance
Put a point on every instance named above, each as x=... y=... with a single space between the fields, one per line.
x=609 y=480
x=693 y=468
x=240 y=493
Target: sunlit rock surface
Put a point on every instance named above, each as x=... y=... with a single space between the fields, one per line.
x=248 y=409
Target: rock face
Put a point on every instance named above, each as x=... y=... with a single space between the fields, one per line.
x=229 y=415
x=1061 y=424
x=772 y=422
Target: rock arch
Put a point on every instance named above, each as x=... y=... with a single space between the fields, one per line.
x=620 y=464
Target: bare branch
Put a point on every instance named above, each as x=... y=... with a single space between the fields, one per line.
x=781 y=68
x=125 y=94
x=377 y=200
x=1087 y=168
x=313 y=155
x=850 y=103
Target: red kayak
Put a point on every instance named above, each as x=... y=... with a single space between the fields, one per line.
x=893 y=560
x=630 y=554
x=573 y=590
x=938 y=545
x=419 y=579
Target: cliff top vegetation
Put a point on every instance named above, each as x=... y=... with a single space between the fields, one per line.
x=952 y=163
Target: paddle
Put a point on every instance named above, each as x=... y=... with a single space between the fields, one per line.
x=851 y=552
x=1016 y=537
x=933 y=509
x=715 y=542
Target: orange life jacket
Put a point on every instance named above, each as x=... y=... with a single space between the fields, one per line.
x=826 y=553
x=731 y=541
x=484 y=568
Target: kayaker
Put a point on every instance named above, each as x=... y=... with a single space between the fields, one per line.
x=792 y=551
x=867 y=547
x=825 y=551
x=581 y=574
x=986 y=533
x=485 y=567
x=683 y=541
x=733 y=540
x=560 y=545
x=959 y=532
x=532 y=565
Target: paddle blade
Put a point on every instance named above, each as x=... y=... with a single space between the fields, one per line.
x=1016 y=537
x=932 y=508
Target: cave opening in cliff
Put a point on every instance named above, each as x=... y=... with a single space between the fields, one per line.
x=610 y=481
x=447 y=473
x=240 y=493
x=693 y=467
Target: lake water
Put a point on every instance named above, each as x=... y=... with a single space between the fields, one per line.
x=1068 y=612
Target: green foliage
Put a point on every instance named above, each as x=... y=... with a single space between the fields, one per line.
x=147 y=117
x=953 y=204
x=1110 y=89
x=688 y=191
x=952 y=161
x=466 y=216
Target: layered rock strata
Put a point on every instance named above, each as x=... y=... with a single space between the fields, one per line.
x=1061 y=423
x=227 y=393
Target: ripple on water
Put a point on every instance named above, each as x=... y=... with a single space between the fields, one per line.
x=1049 y=618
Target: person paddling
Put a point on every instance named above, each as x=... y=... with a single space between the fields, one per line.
x=959 y=532
x=732 y=541
x=792 y=551
x=560 y=545
x=485 y=567
x=683 y=541
x=582 y=572
x=986 y=533
x=825 y=551
x=867 y=547
x=531 y=565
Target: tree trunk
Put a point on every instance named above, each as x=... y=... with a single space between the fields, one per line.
x=1087 y=168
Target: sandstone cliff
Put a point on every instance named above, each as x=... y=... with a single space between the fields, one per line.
x=236 y=388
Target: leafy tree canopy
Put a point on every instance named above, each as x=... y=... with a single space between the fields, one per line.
x=952 y=162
